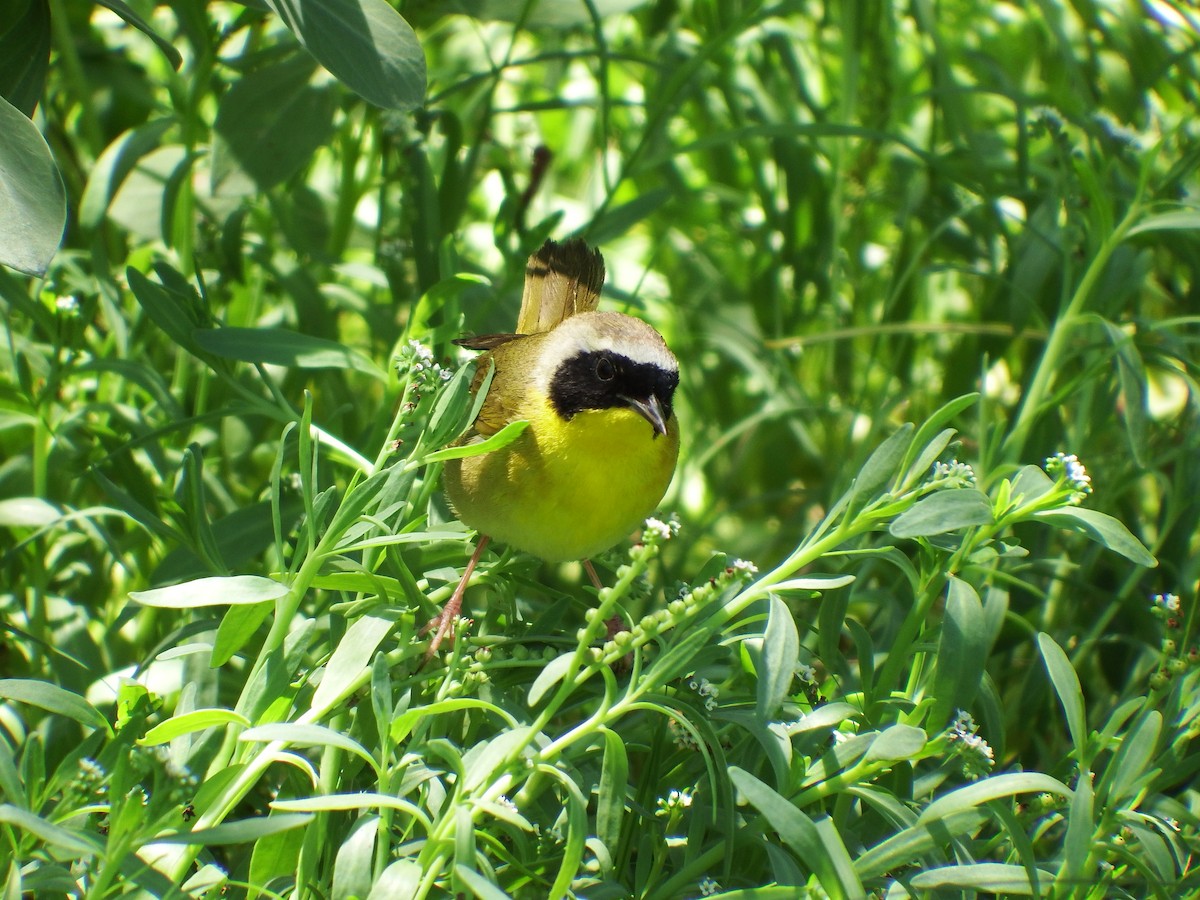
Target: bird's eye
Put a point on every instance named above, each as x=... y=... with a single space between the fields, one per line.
x=605 y=370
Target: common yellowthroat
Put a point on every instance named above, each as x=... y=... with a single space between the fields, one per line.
x=597 y=390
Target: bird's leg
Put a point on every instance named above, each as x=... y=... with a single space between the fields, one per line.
x=591 y=570
x=445 y=619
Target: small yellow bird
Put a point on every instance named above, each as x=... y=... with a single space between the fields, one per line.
x=597 y=390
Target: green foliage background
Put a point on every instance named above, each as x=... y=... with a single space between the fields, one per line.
x=844 y=217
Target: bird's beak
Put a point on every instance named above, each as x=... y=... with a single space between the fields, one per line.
x=651 y=410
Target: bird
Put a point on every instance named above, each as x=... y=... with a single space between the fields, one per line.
x=597 y=389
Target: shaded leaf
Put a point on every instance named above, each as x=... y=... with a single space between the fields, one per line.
x=33 y=203
x=280 y=347
x=943 y=511
x=1103 y=529
x=365 y=44
x=271 y=122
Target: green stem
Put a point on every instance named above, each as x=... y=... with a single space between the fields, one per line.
x=1056 y=345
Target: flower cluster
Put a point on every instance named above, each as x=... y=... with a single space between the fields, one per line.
x=708 y=691
x=976 y=754
x=674 y=802
x=416 y=360
x=1068 y=470
x=952 y=474
x=1172 y=661
x=657 y=529
x=708 y=886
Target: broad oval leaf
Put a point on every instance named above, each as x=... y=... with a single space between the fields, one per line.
x=897 y=742
x=1103 y=529
x=33 y=203
x=365 y=44
x=943 y=511
x=218 y=590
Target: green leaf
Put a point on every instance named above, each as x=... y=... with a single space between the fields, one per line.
x=33 y=202
x=27 y=512
x=1081 y=829
x=480 y=763
x=928 y=433
x=224 y=590
x=989 y=878
x=1131 y=371
x=917 y=840
x=1183 y=219
x=273 y=856
x=350 y=660
x=577 y=832
x=922 y=466
x=547 y=13
x=962 y=653
x=994 y=788
x=75 y=843
x=355 y=801
x=1101 y=528
x=497 y=441
x=237 y=627
x=1137 y=749
x=188 y=722
x=25 y=54
x=776 y=663
x=243 y=832
x=549 y=676
x=799 y=833
x=897 y=742
x=115 y=164
x=610 y=799
x=280 y=347
x=270 y=123
x=617 y=220
x=170 y=308
x=366 y=44
x=52 y=698
x=352 y=865
x=882 y=464
x=125 y=12
x=403 y=723
x=400 y=879
x=943 y=511
x=1066 y=685
x=481 y=887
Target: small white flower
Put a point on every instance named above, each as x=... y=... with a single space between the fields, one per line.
x=664 y=531
x=708 y=886
x=67 y=305
x=1168 y=601
x=954 y=472
x=744 y=566
x=673 y=802
x=1068 y=467
x=806 y=673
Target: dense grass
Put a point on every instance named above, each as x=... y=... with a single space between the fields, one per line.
x=858 y=666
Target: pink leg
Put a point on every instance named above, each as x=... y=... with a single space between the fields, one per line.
x=445 y=619
x=591 y=570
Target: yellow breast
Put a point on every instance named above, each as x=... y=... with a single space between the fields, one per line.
x=566 y=489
